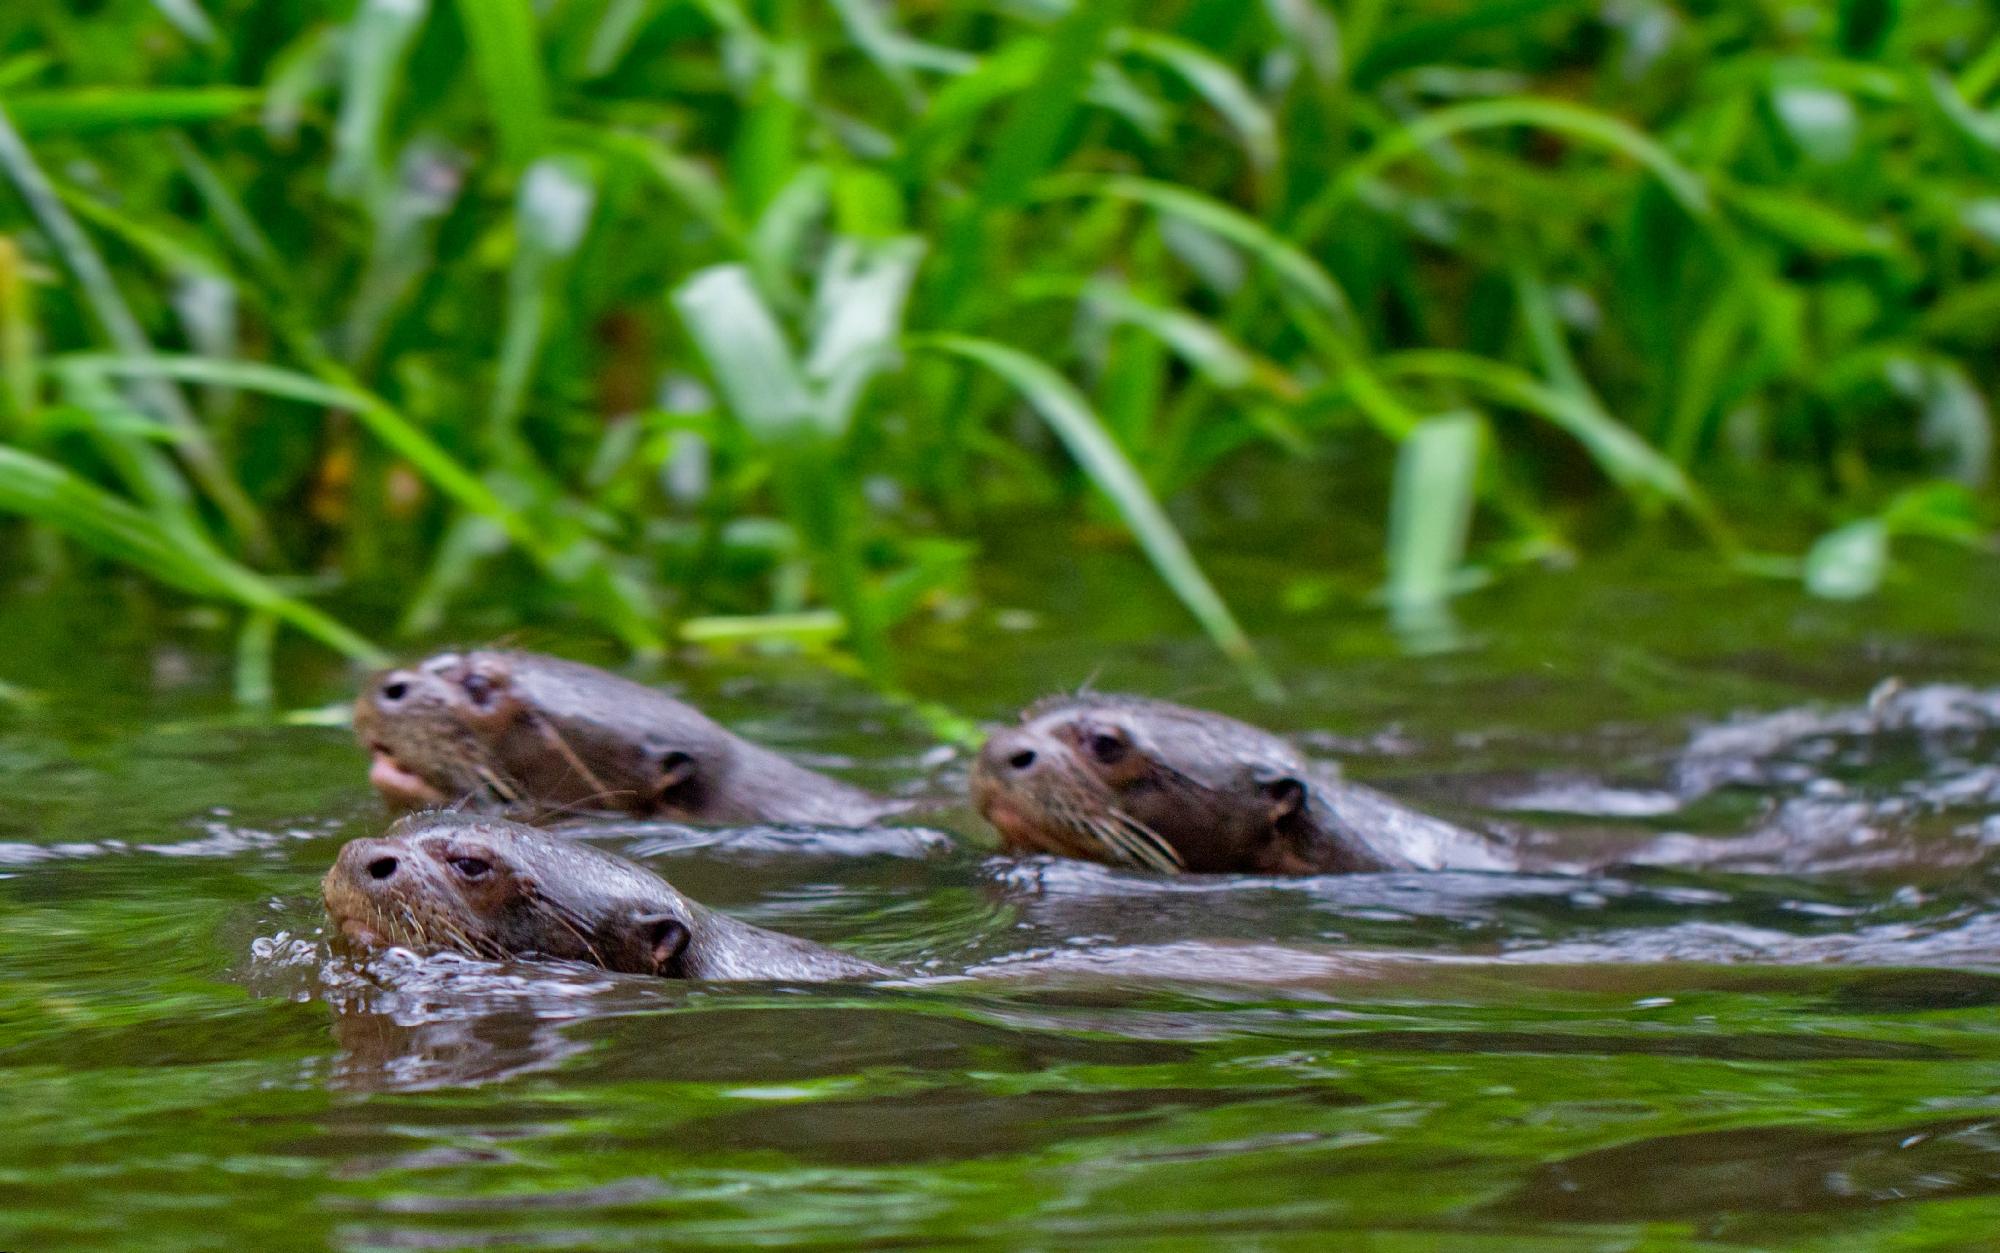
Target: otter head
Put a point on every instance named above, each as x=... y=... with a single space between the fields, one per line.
x=535 y=734
x=496 y=889
x=1140 y=782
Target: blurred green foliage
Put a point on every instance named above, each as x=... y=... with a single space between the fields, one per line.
x=719 y=312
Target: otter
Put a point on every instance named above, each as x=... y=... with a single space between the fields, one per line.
x=494 y=888
x=536 y=735
x=1138 y=782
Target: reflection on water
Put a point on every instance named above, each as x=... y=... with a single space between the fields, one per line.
x=1745 y=996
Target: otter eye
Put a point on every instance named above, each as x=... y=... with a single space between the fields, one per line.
x=472 y=867
x=1106 y=747
x=479 y=688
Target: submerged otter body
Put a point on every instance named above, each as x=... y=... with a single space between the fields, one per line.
x=536 y=735
x=1131 y=781
x=489 y=887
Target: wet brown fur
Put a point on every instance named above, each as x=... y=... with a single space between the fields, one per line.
x=1147 y=783
x=537 y=736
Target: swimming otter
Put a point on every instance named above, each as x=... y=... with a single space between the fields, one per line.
x=1131 y=781
x=537 y=734
x=489 y=887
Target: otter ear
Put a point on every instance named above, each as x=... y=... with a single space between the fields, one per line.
x=1285 y=795
x=675 y=784
x=662 y=938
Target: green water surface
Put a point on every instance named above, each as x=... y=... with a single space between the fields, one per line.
x=1734 y=1056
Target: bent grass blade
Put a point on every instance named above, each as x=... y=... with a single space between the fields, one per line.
x=48 y=493
x=1070 y=417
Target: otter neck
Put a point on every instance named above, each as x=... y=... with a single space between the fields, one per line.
x=759 y=785
x=1355 y=828
x=729 y=948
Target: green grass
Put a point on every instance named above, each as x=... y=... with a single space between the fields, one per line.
x=700 y=312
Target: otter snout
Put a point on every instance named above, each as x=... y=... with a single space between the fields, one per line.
x=408 y=689
x=393 y=689
x=1008 y=759
x=1005 y=775
x=1012 y=753
x=402 y=713
x=366 y=875
x=369 y=866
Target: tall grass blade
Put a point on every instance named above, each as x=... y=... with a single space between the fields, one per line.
x=857 y=317
x=309 y=65
x=170 y=246
x=407 y=210
x=872 y=31
x=507 y=52
x=115 y=316
x=695 y=187
x=1413 y=42
x=1069 y=416
x=48 y=493
x=377 y=44
x=20 y=367
x=1430 y=517
x=188 y=18
x=1625 y=458
x=1028 y=140
x=131 y=441
x=1035 y=124
x=747 y=353
x=1216 y=83
x=768 y=391
x=226 y=207
x=551 y=215
x=1309 y=26
x=85 y=111
x=256 y=645
x=397 y=432
x=616 y=30
x=1195 y=340
x=1291 y=265
x=1573 y=120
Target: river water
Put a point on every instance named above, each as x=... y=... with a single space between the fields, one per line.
x=1771 y=1024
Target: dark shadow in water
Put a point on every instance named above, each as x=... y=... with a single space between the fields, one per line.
x=404 y=1023
x=378 y=1053
x=1763 y=1170
x=937 y=1126
x=1914 y=992
x=1757 y=1046
x=875 y=1030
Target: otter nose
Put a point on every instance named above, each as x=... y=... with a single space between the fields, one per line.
x=370 y=864
x=1009 y=753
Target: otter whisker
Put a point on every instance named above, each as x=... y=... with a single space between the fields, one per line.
x=1153 y=849
x=583 y=804
x=1093 y=816
x=480 y=945
x=554 y=910
x=1087 y=818
x=501 y=790
x=410 y=935
x=553 y=738
x=1138 y=847
x=454 y=937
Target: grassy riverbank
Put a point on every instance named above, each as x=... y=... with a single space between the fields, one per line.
x=709 y=319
